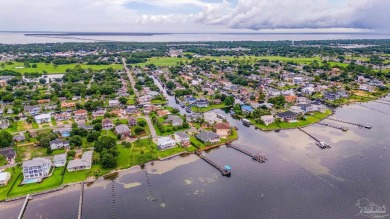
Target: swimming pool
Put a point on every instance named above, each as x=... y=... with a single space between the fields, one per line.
x=28 y=181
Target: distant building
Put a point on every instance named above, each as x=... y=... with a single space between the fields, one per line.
x=132 y=121
x=81 y=114
x=107 y=124
x=113 y=103
x=267 y=119
x=174 y=120
x=8 y=153
x=287 y=116
x=223 y=129
x=19 y=138
x=122 y=130
x=58 y=143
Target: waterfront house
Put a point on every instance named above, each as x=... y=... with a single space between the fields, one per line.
x=58 y=143
x=182 y=138
x=8 y=153
x=59 y=160
x=36 y=169
x=208 y=137
x=132 y=121
x=122 y=130
x=81 y=164
x=296 y=109
x=42 y=118
x=165 y=143
x=287 y=116
x=81 y=114
x=174 y=120
x=267 y=119
x=223 y=129
x=107 y=124
x=5 y=177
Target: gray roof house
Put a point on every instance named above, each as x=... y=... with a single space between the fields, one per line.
x=59 y=160
x=81 y=164
x=122 y=130
x=174 y=120
x=208 y=137
x=182 y=138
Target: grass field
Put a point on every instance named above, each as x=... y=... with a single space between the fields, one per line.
x=51 y=69
x=209 y=108
x=163 y=61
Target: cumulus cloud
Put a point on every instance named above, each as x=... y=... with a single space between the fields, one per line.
x=294 y=14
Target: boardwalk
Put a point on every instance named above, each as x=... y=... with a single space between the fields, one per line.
x=333 y=126
x=261 y=158
x=320 y=143
x=81 y=201
x=216 y=166
x=351 y=123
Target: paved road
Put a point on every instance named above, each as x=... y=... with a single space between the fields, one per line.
x=151 y=127
x=130 y=77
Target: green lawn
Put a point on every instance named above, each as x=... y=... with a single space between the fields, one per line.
x=170 y=152
x=35 y=125
x=209 y=108
x=51 y=69
x=14 y=176
x=81 y=175
x=159 y=102
x=48 y=183
x=53 y=122
x=131 y=100
x=142 y=151
x=162 y=61
x=147 y=129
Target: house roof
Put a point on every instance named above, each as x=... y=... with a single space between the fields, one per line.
x=122 y=129
x=286 y=114
x=222 y=125
x=9 y=153
x=59 y=157
x=182 y=134
x=36 y=162
x=207 y=135
x=81 y=112
x=4 y=176
x=165 y=140
x=43 y=116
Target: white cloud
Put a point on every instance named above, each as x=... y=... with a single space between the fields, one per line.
x=113 y=15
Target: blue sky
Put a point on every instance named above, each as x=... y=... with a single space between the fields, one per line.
x=196 y=15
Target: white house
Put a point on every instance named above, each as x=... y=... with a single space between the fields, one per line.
x=81 y=164
x=59 y=160
x=37 y=168
x=43 y=118
x=166 y=143
x=113 y=103
x=58 y=143
x=267 y=119
x=4 y=178
x=366 y=87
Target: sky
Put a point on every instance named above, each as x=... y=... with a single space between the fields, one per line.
x=189 y=16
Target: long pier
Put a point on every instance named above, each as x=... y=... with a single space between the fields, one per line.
x=333 y=126
x=321 y=144
x=261 y=158
x=351 y=123
x=24 y=206
x=81 y=201
x=216 y=166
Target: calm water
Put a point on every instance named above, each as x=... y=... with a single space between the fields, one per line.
x=20 y=38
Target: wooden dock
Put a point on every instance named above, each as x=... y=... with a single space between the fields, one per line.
x=321 y=144
x=261 y=158
x=216 y=166
x=81 y=201
x=333 y=126
x=351 y=123
x=24 y=206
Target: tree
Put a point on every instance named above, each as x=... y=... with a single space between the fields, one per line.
x=93 y=136
x=142 y=123
x=71 y=153
x=42 y=81
x=229 y=101
x=45 y=138
x=49 y=151
x=76 y=141
x=171 y=85
x=105 y=142
x=122 y=100
x=97 y=126
x=139 y=130
x=107 y=160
